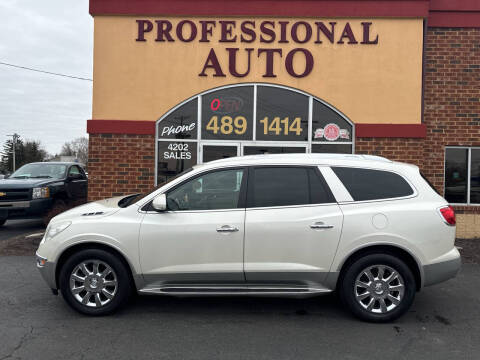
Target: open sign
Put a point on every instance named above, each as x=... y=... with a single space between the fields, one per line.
x=226 y=105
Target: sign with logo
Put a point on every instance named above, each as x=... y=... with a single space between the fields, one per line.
x=331 y=132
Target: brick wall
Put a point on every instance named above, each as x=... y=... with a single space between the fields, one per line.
x=397 y=149
x=120 y=164
x=451 y=95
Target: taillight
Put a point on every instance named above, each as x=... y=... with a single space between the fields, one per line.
x=448 y=215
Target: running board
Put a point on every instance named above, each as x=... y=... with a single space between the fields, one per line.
x=209 y=290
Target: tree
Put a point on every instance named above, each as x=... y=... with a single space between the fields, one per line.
x=77 y=148
x=25 y=152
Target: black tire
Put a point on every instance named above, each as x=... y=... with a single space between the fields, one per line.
x=348 y=290
x=120 y=273
x=2 y=222
x=58 y=207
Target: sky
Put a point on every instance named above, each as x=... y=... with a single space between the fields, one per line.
x=50 y=35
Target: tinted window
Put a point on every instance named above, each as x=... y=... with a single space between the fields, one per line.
x=282 y=115
x=328 y=125
x=283 y=186
x=173 y=158
x=260 y=150
x=180 y=123
x=212 y=191
x=332 y=148
x=227 y=114
x=456 y=175
x=366 y=184
x=215 y=152
x=475 y=177
x=319 y=191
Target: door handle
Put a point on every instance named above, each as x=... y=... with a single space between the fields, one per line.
x=227 y=229
x=320 y=225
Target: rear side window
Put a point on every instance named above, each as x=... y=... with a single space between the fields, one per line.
x=284 y=186
x=367 y=184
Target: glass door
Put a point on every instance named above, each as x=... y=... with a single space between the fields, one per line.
x=273 y=149
x=216 y=151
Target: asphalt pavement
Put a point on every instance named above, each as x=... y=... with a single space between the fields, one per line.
x=19 y=227
x=444 y=323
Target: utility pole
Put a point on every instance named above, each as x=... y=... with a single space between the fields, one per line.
x=15 y=137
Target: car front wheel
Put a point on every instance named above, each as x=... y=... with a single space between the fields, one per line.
x=95 y=282
x=378 y=288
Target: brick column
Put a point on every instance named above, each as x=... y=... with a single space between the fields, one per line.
x=120 y=164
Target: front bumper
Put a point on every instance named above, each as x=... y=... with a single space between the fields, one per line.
x=47 y=270
x=443 y=270
x=24 y=209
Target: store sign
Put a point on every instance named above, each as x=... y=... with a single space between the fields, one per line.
x=248 y=32
x=331 y=132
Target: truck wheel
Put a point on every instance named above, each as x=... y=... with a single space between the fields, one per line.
x=58 y=207
x=377 y=288
x=95 y=282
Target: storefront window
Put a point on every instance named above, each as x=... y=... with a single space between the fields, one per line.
x=329 y=125
x=475 y=176
x=332 y=148
x=180 y=123
x=260 y=150
x=227 y=114
x=456 y=175
x=173 y=158
x=215 y=152
x=282 y=115
x=248 y=119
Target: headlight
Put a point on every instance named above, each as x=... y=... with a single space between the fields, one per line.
x=40 y=193
x=55 y=229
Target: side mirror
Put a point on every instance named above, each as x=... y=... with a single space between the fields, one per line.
x=160 y=202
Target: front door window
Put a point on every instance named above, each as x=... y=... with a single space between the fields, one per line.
x=216 y=152
x=212 y=191
x=261 y=150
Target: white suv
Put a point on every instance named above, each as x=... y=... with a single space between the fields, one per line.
x=270 y=225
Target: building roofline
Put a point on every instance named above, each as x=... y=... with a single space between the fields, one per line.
x=286 y=8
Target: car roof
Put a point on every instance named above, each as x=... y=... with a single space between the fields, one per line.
x=369 y=161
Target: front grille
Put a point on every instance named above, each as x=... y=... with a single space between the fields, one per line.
x=15 y=195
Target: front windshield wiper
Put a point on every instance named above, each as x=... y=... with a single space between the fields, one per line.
x=19 y=177
x=41 y=177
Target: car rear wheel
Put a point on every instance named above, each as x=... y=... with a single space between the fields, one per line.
x=95 y=282
x=378 y=288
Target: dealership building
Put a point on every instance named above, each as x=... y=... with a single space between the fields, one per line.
x=182 y=82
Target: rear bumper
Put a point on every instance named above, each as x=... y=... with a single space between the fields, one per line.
x=443 y=270
x=24 y=209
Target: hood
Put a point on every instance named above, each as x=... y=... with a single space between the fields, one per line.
x=95 y=209
x=6 y=184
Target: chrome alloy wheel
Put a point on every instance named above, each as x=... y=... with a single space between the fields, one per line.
x=379 y=289
x=93 y=283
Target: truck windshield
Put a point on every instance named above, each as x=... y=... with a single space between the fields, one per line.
x=38 y=171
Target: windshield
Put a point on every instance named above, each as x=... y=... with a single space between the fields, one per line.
x=37 y=171
x=130 y=199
